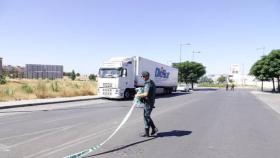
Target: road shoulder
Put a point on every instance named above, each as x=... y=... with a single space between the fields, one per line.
x=25 y=103
x=271 y=99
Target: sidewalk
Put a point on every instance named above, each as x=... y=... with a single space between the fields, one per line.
x=24 y=103
x=271 y=99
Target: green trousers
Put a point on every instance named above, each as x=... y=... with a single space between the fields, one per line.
x=147 y=117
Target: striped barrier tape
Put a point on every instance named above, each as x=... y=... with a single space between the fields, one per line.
x=94 y=148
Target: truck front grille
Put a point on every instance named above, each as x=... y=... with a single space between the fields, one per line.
x=107 y=91
x=107 y=85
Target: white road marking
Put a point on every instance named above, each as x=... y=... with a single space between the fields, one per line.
x=69 y=144
x=44 y=135
x=4 y=148
x=61 y=119
x=32 y=133
x=41 y=136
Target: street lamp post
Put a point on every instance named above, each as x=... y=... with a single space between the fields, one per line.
x=181 y=45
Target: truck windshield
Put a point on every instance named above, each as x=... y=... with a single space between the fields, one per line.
x=110 y=73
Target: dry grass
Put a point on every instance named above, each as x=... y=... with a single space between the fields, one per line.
x=35 y=89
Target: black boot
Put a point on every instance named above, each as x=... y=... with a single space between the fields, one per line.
x=154 y=131
x=146 y=134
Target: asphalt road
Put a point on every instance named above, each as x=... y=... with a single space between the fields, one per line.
x=204 y=124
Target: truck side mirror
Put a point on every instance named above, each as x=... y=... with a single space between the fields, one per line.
x=124 y=72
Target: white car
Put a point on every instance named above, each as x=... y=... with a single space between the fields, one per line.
x=183 y=87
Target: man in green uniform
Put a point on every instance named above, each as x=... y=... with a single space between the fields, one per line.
x=148 y=97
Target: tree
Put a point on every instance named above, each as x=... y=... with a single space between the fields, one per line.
x=190 y=72
x=73 y=75
x=221 y=79
x=67 y=74
x=205 y=79
x=273 y=61
x=78 y=74
x=92 y=77
x=260 y=70
x=3 y=79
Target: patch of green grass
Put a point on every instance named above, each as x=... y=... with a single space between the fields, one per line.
x=210 y=85
x=9 y=91
x=54 y=86
x=2 y=80
x=27 y=88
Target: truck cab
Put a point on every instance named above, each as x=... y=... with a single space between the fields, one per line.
x=116 y=78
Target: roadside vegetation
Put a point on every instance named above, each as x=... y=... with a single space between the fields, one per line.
x=204 y=81
x=190 y=72
x=2 y=79
x=211 y=85
x=268 y=69
x=21 y=89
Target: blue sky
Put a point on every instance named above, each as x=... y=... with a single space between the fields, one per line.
x=81 y=34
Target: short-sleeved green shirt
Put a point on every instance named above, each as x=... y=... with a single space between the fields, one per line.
x=150 y=88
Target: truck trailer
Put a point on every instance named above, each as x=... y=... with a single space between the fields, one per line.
x=118 y=77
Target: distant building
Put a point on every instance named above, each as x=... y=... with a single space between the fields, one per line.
x=37 y=71
x=235 y=69
x=14 y=71
x=239 y=78
x=1 y=68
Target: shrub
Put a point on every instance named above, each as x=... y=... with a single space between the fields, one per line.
x=41 y=90
x=73 y=75
x=92 y=77
x=27 y=88
x=54 y=86
x=2 y=80
x=9 y=92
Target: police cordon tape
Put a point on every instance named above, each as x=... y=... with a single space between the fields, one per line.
x=136 y=103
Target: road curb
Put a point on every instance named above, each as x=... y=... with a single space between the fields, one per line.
x=45 y=102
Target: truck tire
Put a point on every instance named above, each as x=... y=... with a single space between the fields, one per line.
x=167 y=90
x=126 y=94
x=170 y=91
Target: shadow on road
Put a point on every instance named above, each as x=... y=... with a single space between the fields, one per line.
x=122 y=147
x=174 y=94
x=174 y=133
x=206 y=89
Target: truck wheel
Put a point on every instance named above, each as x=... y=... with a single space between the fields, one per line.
x=126 y=94
x=170 y=91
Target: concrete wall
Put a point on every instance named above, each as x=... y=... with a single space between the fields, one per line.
x=267 y=85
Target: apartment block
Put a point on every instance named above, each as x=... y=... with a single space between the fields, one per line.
x=37 y=71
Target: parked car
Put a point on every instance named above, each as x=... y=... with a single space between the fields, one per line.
x=183 y=87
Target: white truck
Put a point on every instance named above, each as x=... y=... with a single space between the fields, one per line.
x=118 y=77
